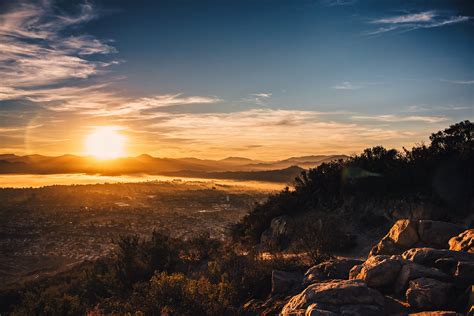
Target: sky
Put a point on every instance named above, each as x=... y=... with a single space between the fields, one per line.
x=210 y=79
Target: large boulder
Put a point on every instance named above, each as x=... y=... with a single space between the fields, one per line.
x=386 y=246
x=406 y=234
x=377 y=271
x=284 y=282
x=315 y=310
x=411 y=271
x=334 y=294
x=332 y=269
x=447 y=265
x=463 y=242
x=429 y=256
x=429 y=294
x=437 y=234
x=464 y=273
x=401 y=236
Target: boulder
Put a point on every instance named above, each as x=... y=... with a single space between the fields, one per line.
x=447 y=265
x=401 y=236
x=284 y=282
x=351 y=309
x=377 y=271
x=437 y=234
x=386 y=246
x=464 y=273
x=404 y=233
x=360 y=310
x=394 y=306
x=315 y=310
x=411 y=271
x=335 y=292
x=463 y=242
x=429 y=294
x=331 y=269
x=428 y=256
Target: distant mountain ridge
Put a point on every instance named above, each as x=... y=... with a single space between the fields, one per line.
x=228 y=168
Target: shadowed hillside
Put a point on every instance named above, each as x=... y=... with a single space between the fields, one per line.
x=379 y=185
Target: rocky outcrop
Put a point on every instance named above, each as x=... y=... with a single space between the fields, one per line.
x=437 y=234
x=331 y=269
x=422 y=280
x=429 y=294
x=406 y=234
x=377 y=271
x=411 y=271
x=463 y=242
x=429 y=256
x=334 y=295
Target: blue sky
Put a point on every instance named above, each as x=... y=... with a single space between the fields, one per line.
x=263 y=79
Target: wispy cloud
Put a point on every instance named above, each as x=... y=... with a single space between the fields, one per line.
x=427 y=16
x=34 y=50
x=276 y=128
x=463 y=82
x=413 y=21
x=333 y=3
x=397 y=118
x=423 y=108
x=347 y=85
x=259 y=98
x=136 y=107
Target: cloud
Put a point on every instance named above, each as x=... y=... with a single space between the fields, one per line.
x=463 y=82
x=169 y=100
x=278 y=129
x=262 y=95
x=347 y=85
x=35 y=50
x=413 y=21
x=422 y=108
x=333 y=3
x=259 y=98
x=408 y=18
x=397 y=118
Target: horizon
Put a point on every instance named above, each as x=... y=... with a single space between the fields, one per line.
x=236 y=157
x=271 y=80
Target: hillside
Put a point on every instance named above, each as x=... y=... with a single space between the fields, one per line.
x=299 y=252
x=369 y=191
x=230 y=168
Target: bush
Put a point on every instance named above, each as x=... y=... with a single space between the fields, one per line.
x=440 y=174
x=320 y=236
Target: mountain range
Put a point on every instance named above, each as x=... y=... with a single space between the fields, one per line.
x=228 y=168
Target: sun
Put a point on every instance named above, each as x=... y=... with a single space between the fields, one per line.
x=105 y=142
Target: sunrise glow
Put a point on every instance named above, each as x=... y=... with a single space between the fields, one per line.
x=105 y=142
